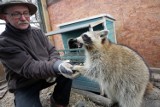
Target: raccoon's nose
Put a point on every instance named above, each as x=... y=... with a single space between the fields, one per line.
x=74 y=41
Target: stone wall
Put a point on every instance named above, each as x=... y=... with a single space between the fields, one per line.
x=137 y=22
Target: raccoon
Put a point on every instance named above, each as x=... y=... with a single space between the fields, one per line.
x=122 y=74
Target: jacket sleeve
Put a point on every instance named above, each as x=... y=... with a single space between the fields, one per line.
x=23 y=64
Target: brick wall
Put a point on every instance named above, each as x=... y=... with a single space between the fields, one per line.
x=137 y=22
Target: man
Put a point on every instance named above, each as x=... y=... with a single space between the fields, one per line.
x=29 y=59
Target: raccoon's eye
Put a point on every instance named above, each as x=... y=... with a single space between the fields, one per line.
x=85 y=36
x=86 y=39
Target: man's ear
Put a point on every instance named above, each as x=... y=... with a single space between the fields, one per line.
x=3 y=17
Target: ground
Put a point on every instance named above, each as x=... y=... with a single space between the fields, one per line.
x=75 y=98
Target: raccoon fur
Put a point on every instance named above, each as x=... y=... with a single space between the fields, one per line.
x=122 y=74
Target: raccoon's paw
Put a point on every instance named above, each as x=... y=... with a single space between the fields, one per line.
x=72 y=76
x=78 y=68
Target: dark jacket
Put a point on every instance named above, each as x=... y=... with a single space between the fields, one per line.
x=27 y=55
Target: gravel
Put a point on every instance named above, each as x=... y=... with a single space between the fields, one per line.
x=76 y=100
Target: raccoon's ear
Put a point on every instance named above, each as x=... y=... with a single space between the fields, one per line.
x=103 y=33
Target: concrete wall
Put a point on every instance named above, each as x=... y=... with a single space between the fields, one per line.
x=137 y=22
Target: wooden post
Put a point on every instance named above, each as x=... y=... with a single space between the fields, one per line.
x=46 y=18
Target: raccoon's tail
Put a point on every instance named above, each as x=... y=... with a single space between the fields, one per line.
x=149 y=88
x=152 y=92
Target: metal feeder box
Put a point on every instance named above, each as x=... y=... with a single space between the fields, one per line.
x=71 y=52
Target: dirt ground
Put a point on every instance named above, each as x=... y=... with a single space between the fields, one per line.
x=75 y=98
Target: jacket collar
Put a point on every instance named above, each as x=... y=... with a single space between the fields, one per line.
x=11 y=28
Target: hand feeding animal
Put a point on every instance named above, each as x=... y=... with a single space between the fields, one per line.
x=122 y=74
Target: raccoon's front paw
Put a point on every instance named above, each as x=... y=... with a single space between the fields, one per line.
x=78 y=68
x=74 y=75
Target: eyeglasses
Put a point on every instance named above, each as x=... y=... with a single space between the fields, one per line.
x=18 y=15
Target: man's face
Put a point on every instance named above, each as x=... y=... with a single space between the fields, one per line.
x=18 y=16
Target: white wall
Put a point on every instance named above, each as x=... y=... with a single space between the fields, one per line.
x=2 y=26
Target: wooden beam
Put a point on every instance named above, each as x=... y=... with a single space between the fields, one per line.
x=46 y=18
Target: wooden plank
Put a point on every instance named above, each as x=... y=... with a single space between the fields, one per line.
x=46 y=18
x=155 y=70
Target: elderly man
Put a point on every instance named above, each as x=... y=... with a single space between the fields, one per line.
x=29 y=58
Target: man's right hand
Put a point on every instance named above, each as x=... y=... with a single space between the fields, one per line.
x=64 y=68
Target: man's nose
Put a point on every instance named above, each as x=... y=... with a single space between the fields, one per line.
x=23 y=17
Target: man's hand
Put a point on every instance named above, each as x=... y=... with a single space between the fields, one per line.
x=64 y=68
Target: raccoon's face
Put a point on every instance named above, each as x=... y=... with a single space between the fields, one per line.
x=93 y=38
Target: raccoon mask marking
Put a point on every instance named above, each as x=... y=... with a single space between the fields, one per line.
x=86 y=39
